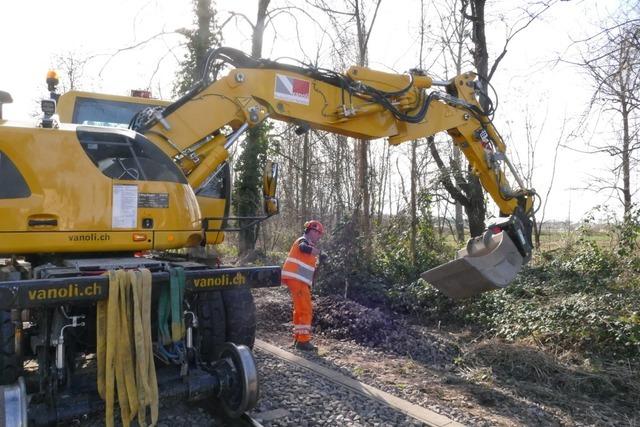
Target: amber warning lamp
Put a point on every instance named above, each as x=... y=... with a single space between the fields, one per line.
x=52 y=80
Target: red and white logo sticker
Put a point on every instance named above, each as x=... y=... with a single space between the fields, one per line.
x=292 y=89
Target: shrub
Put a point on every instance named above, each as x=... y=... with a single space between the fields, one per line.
x=347 y=270
x=392 y=253
x=574 y=301
x=581 y=297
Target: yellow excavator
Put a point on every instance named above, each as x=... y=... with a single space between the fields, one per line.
x=104 y=183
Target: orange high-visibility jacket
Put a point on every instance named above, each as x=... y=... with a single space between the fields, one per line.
x=299 y=265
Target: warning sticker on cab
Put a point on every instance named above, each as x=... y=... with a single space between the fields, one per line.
x=124 y=206
x=292 y=89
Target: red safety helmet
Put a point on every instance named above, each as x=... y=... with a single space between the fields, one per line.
x=313 y=225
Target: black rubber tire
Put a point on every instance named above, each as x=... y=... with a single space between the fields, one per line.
x=9 y=361
x=241 y=316
x=211 y=324
x=225 y=316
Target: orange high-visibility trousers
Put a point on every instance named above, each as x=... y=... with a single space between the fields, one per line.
x=302 y=309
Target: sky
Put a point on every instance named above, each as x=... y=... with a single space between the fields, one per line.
x=530 y=85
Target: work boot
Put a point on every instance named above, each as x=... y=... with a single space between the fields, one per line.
x=304 y=346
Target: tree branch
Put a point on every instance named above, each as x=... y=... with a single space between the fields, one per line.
x=457 y=195
x=134 y=46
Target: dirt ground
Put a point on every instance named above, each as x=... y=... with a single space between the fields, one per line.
x=458 y=373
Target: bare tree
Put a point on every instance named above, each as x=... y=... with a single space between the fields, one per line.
x=414 y=152
x=453 y=38
x=613 y=67
x=467 y=190
x=71 y=65
x=534 y=134
x=363 y=199
x=356 y=11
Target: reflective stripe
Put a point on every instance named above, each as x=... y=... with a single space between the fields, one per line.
x=302 y=328
x=297 y=277
x=305 y=272
x=300 y=263
x=296 y=266
x=299 y=266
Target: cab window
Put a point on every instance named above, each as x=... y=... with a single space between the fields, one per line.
x=218 y=184
x=101 y=112
x=12 y=183
x=120 y=156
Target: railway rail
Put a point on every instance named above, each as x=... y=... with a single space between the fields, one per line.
x=396 y=405
x=295 y=391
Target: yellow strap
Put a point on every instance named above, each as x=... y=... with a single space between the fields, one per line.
x=138 y=333
x=145 y=368
x=101 y=344
x=124 y=348
x=148 y=347
x=125 y=374
x=112 y=326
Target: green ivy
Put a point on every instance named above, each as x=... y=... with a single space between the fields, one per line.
x=247 y=194
x=392 y=249
x=197 y=45
x=582 y=297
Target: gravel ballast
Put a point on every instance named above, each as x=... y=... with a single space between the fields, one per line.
x=307 y=399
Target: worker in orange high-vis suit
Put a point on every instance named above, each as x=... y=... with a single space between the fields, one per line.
x=297 y=274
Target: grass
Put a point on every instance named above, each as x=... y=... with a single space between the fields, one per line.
x=536 y=372
x=557 y=239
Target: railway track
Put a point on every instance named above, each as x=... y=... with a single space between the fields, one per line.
x=295 y=391
x=360 y=404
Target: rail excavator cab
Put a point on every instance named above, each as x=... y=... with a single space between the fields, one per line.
x=488 y=262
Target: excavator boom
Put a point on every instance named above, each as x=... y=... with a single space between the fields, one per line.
x=366 y=104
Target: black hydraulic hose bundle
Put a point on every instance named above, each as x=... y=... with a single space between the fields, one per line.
x=226 y=55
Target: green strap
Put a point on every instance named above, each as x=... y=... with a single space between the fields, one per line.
x=177 y=298
x=164 y=336
x=170 y=303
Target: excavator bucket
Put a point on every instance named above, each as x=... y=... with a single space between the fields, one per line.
x=489 y=262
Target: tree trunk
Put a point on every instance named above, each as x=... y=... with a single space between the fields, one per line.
x=305 y=177
x=258 y=29
x=476 y=209
x=363 y=188
x=413 y=203
x=457 y=157
x=362 y=147
x=459 y=219
x=254 y=148
x=626 y=167
x=203 y=12
x=339 y=166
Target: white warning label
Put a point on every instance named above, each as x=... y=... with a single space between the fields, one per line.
x=292 y=89
x=125 y=206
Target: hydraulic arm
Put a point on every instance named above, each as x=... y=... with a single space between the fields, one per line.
x=362 y=103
